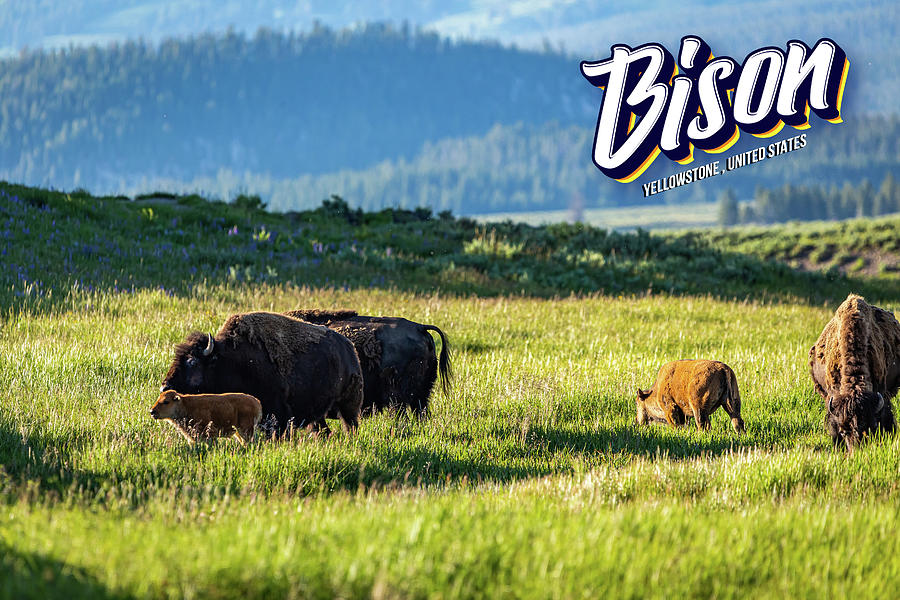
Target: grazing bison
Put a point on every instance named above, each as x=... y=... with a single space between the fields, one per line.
x=855 y=366
x=691 y=388
x=209 y=415
x=299 y=371
x=397 y=356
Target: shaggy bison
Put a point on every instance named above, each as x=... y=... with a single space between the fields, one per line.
x=299 y=371
x=397 y=356
x=691 y=388
x=209 y=415
x=855 y=366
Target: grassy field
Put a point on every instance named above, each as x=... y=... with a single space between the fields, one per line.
x=530 y=480
x=660 y=216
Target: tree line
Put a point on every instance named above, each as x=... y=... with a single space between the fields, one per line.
x=283 y=104
x=812 y=203
x=519 y=167
x=360 y=113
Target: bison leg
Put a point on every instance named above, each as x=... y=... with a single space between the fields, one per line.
x=350 y=402
x=248 y=434
x=670 y=420
x=886 y=421
x=674 y=414
x=244 y=434
x=732 y=407
x=421 y=408
x=390 y=395
x=350 y=421
x=704 y=423
x=319 y=427
x=350 y=424
x=421 y=390
x=186 y=431
x=700 y=419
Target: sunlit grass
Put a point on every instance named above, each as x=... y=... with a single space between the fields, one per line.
x=529 y=480
x=542 y=387
x=489 y=543
x=532 y=460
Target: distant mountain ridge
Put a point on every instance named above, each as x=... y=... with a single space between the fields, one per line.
x=284 y=105
x=521 y=168
x=393 y=115
x=867 y=29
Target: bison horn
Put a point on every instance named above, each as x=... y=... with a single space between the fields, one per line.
x=830 y=406
x=880 y=403
x=209 y=346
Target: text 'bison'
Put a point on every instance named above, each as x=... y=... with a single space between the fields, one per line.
x=691 y=388
x=398 y=358
x=855 y=367
x=300 y=372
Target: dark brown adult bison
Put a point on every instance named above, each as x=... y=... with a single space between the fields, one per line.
x=855 y=366
x=300 y=372
x=398 y=358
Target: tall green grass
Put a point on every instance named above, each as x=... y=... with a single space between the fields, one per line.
x=487 y=544
x=542 y=387
x=529 y=480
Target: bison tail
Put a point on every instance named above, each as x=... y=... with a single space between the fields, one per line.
x=444 y=365
x=732 y=402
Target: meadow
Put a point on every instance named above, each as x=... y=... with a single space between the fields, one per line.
x=529 y=480
x=652 y=217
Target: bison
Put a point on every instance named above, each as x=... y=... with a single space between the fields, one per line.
x=398 y=357
x=691 y=388
x=209 y=415
x=299 y=371
x=855 y=367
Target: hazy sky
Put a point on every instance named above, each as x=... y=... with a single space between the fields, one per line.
x=580 y=27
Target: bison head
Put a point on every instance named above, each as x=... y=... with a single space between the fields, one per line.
x=851 y=418
x=167 y=406
x=643 y=417
x=192 y=364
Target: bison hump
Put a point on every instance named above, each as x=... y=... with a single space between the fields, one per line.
x=857 y=345
x=314 y=315
x=281 y=337
x=363 y=337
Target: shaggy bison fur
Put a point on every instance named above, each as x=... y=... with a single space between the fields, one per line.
x=855 y=367
x=398 y=358
x=299 y=371
x=209 y=415
x=692 y=388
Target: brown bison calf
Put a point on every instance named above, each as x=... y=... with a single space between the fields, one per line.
x=209 y=415
x=691 y=388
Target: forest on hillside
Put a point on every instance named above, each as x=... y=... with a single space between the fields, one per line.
x=520 y=168
x=379 y=115
x=280 y=104
x=812 y=203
